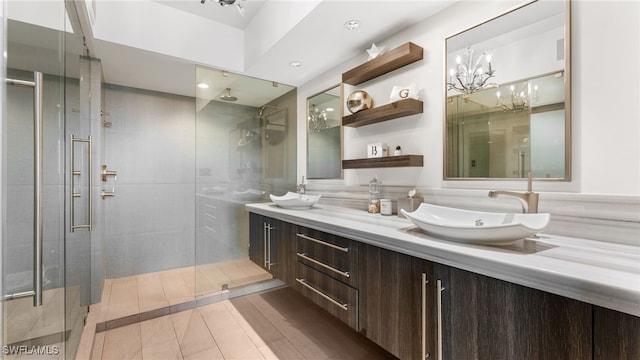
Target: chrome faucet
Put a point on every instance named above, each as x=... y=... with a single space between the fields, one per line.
x=528 y=199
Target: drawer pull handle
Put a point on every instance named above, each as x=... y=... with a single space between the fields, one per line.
x=303 y=236
x=341 y=306
x=306 y=257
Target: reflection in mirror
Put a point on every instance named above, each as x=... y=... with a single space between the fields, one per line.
x=507 y=108
x=324 y=145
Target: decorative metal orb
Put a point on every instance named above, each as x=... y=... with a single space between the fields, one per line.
x=359 y=100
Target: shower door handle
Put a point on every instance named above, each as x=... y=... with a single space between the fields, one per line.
x=37 y=86
x=89 y=225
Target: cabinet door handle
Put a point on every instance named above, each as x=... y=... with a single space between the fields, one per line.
x=303 y=236
x=264 y=240
x=267 y=245
x=439 y=290
x=340 y=305
x=423 y=341
x=331 y=268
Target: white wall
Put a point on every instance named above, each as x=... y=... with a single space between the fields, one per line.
x=606 y=129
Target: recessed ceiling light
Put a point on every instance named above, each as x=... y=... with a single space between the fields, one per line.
x=352 y=24
x=295 y=64
x=202 y=85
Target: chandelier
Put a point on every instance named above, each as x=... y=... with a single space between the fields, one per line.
x=229 y=3
x=471 y=76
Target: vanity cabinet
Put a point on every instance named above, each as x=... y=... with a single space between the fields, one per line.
x=327 y=272
x=615 y=335
x=485 y=318
x=271 y=246
x=397 y=302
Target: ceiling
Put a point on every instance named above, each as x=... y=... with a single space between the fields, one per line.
x=155 y=44
x=318 y=39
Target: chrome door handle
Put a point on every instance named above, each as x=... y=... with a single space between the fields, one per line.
x=342 y=306
x=38 y=128
x=74 y=172
x=439 y=290
x=331 y=268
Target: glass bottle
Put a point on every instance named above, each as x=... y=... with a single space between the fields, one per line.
x=374 y=195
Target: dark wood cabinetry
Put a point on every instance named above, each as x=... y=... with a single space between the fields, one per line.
x=327 y=272
x=383 y=295
x=395 y=299
x=615 y=335
x=485 y=318
x=271 y=246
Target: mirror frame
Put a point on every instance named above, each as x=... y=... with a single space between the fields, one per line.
x=339 y=86
x=567 y=93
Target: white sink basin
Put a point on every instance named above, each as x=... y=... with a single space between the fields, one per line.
x=476 y=227
x=293 y=200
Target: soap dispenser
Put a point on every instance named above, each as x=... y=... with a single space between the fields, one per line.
x=374 y=195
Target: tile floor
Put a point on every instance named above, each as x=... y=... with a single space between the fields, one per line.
x=138 y=294
x=275 y=324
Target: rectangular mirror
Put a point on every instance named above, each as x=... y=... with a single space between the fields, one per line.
x=508 y=96
x=324 y=135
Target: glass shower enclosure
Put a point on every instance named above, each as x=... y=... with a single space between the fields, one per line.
x=245 y=150
x=45 y=262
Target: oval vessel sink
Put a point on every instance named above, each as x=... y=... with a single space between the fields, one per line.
x=476 y=227
x=293 y=200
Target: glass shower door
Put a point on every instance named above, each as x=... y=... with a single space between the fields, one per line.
x=42 y=307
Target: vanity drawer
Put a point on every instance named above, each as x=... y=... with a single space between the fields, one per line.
x=339 y=299
x=333 y=255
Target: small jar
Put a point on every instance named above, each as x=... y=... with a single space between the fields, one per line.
x=397 y=151
x=385 y=207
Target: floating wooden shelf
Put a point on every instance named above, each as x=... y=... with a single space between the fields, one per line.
x=384 y=162
x=400 y=56
x=394 y=110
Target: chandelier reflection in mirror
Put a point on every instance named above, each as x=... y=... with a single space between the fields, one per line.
x=317 y=118
x=470 y=76
x=519 y=100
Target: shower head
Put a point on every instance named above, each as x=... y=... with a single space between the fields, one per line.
x=227 y=96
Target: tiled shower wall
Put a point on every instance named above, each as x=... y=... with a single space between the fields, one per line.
x=149 y=224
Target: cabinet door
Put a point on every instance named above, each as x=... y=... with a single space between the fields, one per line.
x=485 y=318
x=271 y=244
x=391 y=301
x=615 y=335
x=257 y=239
x=282 y=247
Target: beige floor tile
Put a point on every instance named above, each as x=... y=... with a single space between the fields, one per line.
x=209 y=354
x=123 y=300
x=150 y=292
x=232 y=340
x=175 y=288
x=162 y=351
x=98 y=346
x=156 y=331
x=123 y=343
x=192 y=333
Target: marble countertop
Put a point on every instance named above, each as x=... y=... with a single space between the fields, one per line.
x=596 y=272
